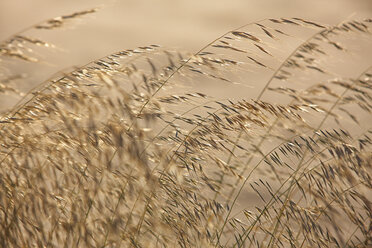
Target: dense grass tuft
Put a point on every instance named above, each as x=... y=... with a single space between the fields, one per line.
x=259 y=139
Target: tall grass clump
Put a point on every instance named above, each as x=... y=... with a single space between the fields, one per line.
x=147 y=147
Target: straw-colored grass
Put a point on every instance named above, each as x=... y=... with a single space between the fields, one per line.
x=147 y=147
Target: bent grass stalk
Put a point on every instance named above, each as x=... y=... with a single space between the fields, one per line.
x=258 y=98
x=291 y=176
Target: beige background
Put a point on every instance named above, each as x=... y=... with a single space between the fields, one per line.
x=186 y=25
x=183 y=24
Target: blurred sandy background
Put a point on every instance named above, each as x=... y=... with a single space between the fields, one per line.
x=183 y=24
x=186 y=25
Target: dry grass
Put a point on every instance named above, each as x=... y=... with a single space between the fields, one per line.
x=124 y=152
